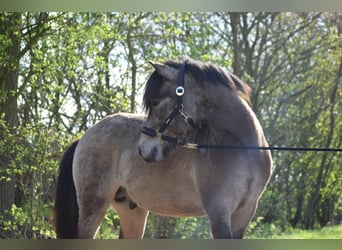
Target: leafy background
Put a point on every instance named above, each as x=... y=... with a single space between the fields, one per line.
x=62 y=72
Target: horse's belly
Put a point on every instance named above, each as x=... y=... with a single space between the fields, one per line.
x=165 y=193
x=171 y=204
x=167 y=188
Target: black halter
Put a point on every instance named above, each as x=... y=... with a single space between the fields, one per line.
x=178 y=110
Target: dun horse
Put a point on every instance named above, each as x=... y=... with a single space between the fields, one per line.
x=115 y=164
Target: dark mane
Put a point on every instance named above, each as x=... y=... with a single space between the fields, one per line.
x=201 y=72
x=152 y=90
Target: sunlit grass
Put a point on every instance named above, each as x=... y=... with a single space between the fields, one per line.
x=329 y=232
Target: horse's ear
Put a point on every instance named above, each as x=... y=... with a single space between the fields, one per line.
x=166 y=71
x=154 y=65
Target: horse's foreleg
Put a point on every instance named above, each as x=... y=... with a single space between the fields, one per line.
x=132 y=221
x=226 y=225
x=241 y=219
x=219 y=211
x=220 y=221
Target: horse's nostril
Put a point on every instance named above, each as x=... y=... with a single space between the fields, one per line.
x=154 y=153
x=150 y=156
x=139 y=150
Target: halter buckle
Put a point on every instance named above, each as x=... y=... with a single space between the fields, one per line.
x=180 y=91
x=191 y=145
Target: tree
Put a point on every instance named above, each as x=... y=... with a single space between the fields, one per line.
x=10 y=24
x=62 y=72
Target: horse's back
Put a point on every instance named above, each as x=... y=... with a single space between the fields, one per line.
x=98 y=153
x=113 y=129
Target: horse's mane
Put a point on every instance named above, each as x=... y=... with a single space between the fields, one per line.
x=201 y=72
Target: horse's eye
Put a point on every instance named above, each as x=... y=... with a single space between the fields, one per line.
x=154 y=102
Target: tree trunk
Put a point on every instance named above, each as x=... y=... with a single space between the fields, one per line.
x=325 y=168
x=237 y=50
x=10 y=28
x=133 y=69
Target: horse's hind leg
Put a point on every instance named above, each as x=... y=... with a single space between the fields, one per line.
x=132 y=220
x=93 y=201
x=92 y=211
x=94 y=196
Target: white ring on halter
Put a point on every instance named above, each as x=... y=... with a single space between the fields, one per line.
x=180 y=91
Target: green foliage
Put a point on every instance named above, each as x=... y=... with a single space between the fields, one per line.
x=75 y=68
x=177 y=228
x=193 y=228
x=110 y=226
x=26 y=224
x=37 y=151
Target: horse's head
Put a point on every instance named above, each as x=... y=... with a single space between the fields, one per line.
x=171 y=111
x=187 y=101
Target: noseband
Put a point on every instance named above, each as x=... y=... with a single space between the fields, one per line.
x=178 y=110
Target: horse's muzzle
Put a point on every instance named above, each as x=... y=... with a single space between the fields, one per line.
x=151 y=155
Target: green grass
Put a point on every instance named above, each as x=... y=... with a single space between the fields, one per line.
x=331 y=232
x=271 y=232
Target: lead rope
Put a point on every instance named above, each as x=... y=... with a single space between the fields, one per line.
x=271 y=148
x=178 y=110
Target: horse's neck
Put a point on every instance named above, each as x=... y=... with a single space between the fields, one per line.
x=235 y=119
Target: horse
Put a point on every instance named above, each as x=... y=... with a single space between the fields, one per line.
x=139 y=164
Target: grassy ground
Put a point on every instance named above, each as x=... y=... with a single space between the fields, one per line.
x=270 y=232
x=192 y=228
x=333 y=232
x=329 y=232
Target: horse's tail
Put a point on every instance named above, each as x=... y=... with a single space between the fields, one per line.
x=66 y=208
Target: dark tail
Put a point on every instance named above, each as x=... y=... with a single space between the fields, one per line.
x=66 y=208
